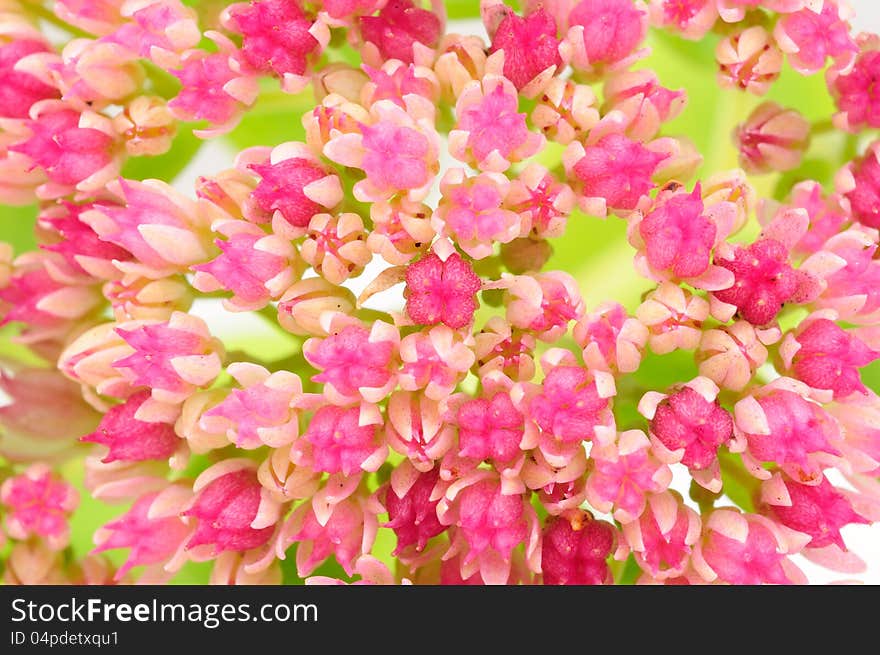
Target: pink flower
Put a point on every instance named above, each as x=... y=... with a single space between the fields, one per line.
x=399 y=26
x=733 y=11
x=692 y=18
x=347 y=533
x=575 y=548
x=826 y=214
x=530 y=46
x=277 y=36
x=547 y=201
x=214 y=88
x=615 y=172
x=748 y=60
x=78 y=243
x=129 y=439
x=565 y=111
x=818 y=510
x=678 y=237
x=826 y=356
x=742 y=549
x=232 y=511
x=355 y=362
x=441 y=291
x=856 y=93
x=20 y=90
x=810 y=37
x=488 y=526
x=864 y=191
x=570 y=404
x=782 y=426
x=75 y=150
x=153 y=539
x=605 y=32
x=160 y=30
x=499 y=347
x=254 y=266
x=416 y=428
x=412 y=508
x=474 y=214
x=36 y=299
x=544 y=303
x=611 y=340
x=435 y=360
x=689 y=423
x=398 y=150
x=172 y=357
x=261 y=412
x=622 y=473
x=663 y=538
x=97 y=17
x=853 y=288
x=339 y=442
x=765 y=281
x=644 y=102
x=38 y=503
x=772 y=139
x=490 y=134
x=161 y=228
x=490 y=428
x=401 y=231
x=394 y=80
x=294 y=185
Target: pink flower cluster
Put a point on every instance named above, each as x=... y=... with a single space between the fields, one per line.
x=493 y=424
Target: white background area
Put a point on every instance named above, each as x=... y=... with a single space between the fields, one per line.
x=215 y=156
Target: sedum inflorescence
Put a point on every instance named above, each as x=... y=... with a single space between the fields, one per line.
x=496 y=424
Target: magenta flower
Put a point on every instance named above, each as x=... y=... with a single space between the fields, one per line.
x=441 y=291
x=20 y=90
x=575 y=549
x=38 y=503
x=530 y=46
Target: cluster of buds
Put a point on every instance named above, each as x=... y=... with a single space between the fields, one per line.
x=481 y=411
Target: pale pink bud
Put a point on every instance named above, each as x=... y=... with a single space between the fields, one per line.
x=188 y=423
x=285 y=480
x=548 y=202
x=674 y=318
x=310 y=306
x=772 y=139
x=730 y=355
x=544 y=303
x=160 y=30
x=611 y=340
x=565 y=111
x=401 y=230
x=144 y=299
x=749 y=60
x=498 y=347
x=734 y=187
x=98 y=17
x=643 y=101
x=416 y=428
x=852 y=277
x=147 y=126
x=860 y=182
x=461 y=59
x=335 y=246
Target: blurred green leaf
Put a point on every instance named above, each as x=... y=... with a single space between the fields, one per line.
x=17 y=227
x=168 y=166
